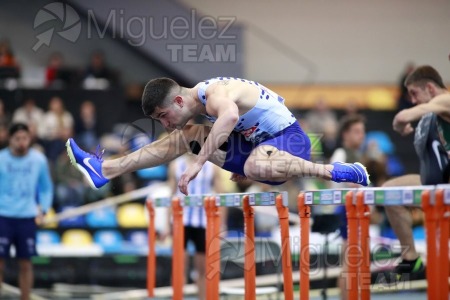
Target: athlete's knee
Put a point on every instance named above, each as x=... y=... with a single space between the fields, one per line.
x=257 y=168
x=251 y=168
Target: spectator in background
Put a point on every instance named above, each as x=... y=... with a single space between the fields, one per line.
x=86 y=125
x=151 y=175
x=57 y=75
x=26 y=194
x=7 y=58
x=322 y=120
x=69 y=184
x=3 y=136
x=320 y=116
x=9 y=68
x=4 y=115
x=133 y=105
x=29 y=114
x=56 y=128
x=351 y=106
x=194 y=218
x=98 y=75
x=379 y=147
x=403 y=101
x=352 y=134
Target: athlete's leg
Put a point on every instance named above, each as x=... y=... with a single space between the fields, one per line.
x=287 y=155
x=159 y=152
x=400 y=217
x=268 y=163
x=98 y=171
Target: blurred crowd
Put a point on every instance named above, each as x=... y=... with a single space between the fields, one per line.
x=58 y=74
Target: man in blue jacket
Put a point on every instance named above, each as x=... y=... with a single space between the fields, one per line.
x=26 y=193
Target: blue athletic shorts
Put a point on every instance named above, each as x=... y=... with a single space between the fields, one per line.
x=20 y=232
x=292 y=139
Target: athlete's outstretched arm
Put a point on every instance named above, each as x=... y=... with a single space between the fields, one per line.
x=222 y=105
x=439 y=105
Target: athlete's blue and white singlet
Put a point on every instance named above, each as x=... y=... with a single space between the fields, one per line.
x=269 y=122
x=268 y=117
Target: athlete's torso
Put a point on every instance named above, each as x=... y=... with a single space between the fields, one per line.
x=267 y=117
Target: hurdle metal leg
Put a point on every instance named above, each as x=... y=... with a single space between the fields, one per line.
x=364 y=276
x=178 y=250
x=304 y=212
x=286 y=260
x=249 y=263
x=151 y=259
x=353 y=248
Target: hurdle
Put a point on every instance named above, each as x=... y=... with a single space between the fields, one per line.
x=435 y=201
x=211 y=203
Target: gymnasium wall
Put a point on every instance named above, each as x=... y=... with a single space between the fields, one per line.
x=346 y=41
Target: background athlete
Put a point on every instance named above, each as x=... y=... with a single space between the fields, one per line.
x=432 y=141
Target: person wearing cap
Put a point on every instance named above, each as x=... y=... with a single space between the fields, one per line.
x=26 y=193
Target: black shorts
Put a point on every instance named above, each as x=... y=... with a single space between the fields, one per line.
x=197 y=235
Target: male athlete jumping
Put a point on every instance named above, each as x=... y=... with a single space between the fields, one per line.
x=254 y=135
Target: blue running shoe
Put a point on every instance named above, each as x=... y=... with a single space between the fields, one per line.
x=356 y=173
x=89 y=164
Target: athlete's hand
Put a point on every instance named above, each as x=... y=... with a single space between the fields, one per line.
x=237 y=177
x=400 y=125
x=190 y=173
x=403 y=129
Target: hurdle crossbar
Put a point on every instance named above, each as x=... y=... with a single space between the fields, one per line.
x=435 y=201
x=110 y=201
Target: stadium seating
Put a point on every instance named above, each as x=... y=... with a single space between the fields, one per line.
x=100 y=218
x=110 y=240
x=132 y=215
x=48 y=237
x=74 y=222
x=76 y=238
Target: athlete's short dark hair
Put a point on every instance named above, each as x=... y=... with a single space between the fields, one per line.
x=424 y=74
x=155 y=94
